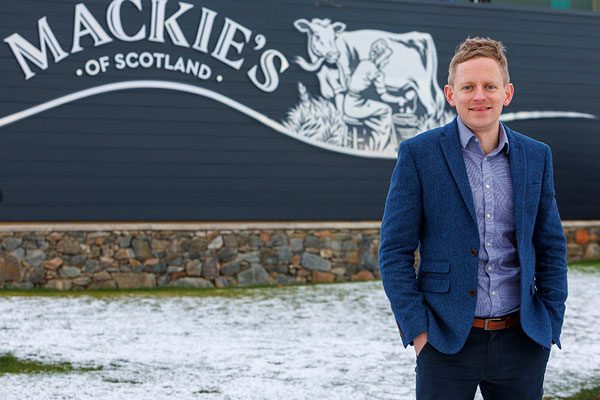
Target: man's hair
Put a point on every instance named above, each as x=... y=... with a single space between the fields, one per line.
x=479 y=47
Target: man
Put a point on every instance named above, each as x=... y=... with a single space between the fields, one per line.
x=477 y=199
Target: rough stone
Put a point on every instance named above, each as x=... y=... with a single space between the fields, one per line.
x=159 y=268
x=323 y=277
x=226 y=254
x=216 y=243
x=363 y=275
x=68 y=245
x=102 y=276
x=11 y=243
x=284 y=253
x=282 y=280
x=69 y=272
x=194 y=268
x=19 y=254
x=326 y=253
x=297 y=244
x=53 y=264
x=36 y=275
x=102 y=285
x=19 y=285
x=230 y=241
x=151 y=262
x=352 y=257
x=369 y=261
x=312 y=242
x=221 y=282
x=255 y=275
x=279 y=239
x=124 y=241
x=231 y=268
x=210 y=268
x=197 y=245
x=78 y=260
x=91 y=266
x=82 y=281
x=349 y=245
x=592 y=252
x=158 y=245
x=315 y=263
x=253 y=256
x=195 y=283
x=125 y=254
x=582 y=236
x=35 y=257
x=132 y=280
x=58 y=284
x=171 y=269
x=9 y=268
x=142 y=249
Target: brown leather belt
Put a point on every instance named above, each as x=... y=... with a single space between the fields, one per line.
x=495 y=324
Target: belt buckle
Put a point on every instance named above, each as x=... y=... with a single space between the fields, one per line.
x=487 y=320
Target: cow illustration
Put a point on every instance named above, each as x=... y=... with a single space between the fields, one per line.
x=411 y=71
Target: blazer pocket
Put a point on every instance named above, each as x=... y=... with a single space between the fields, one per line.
x=434 y=285
x=440 y=267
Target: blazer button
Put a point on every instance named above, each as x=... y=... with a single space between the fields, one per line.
x=472 y=292
x=473 y=252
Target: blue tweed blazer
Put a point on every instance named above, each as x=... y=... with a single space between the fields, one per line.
x=430 y=206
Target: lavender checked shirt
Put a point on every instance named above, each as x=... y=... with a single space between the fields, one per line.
x=491 y=186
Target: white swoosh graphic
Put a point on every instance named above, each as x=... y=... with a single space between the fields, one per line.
x=182 y=87
x=520 y=115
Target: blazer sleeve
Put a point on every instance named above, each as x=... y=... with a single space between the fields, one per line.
x=551 y=252
x=399 y=239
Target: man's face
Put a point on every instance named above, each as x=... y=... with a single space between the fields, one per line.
x=479 y=93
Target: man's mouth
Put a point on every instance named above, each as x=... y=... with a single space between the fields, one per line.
x=484 y=108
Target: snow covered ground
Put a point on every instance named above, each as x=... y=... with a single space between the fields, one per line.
x=313 y=342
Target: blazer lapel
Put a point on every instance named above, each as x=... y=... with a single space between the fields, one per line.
x=452 y=149
x=518 y=170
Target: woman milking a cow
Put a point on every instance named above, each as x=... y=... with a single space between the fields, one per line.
x=374 y=114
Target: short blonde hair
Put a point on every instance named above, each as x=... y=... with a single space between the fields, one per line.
x=479 y=47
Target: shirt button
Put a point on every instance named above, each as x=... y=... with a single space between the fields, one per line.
x=472 y=292
x=488 y=216
x=493 y=292
x=489 y=244
x=487 y=186
x=484 y=158
x=473 y=252
x=490 y=267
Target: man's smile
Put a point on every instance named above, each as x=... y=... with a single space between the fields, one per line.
x=482 y=108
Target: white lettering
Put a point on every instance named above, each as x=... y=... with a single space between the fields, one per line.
x=92 y=67
x=146 y=60
x=204 y=29
x=119 y=61
x=115 y=24
x=131 y=60
x=204 y=72
x=226 y=41
x=84 y=18
x=159 y=23
x=269 y=70
x=22 y=49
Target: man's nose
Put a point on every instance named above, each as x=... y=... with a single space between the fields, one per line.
x=479 y=94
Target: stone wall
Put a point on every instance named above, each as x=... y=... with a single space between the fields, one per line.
x=106 y=257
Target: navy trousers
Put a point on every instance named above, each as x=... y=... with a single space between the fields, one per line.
x=506 y=364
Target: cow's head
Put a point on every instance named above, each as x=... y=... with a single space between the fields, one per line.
x=321 y=37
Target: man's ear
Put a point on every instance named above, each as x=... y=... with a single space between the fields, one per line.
x=449 y=92
x=509 y=92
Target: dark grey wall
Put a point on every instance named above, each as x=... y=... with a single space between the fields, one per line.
x=151 y=154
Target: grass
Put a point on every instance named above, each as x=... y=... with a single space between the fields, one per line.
x=9 y=364
x=585 y=394
x=593 y=265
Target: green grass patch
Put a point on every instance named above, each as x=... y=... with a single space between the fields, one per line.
x=9 y=364
x=592 y=265
x=585 y=394
x=265 y=291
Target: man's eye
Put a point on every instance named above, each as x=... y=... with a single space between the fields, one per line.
x=491 y=87
x=468 y=87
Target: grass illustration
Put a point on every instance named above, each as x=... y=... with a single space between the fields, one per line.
x=9 y=364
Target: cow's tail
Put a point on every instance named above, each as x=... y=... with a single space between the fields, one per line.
x=307 y=66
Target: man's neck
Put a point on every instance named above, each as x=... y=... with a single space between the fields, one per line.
x=488 y=139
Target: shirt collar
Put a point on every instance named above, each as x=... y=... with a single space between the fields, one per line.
x=467 y=135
